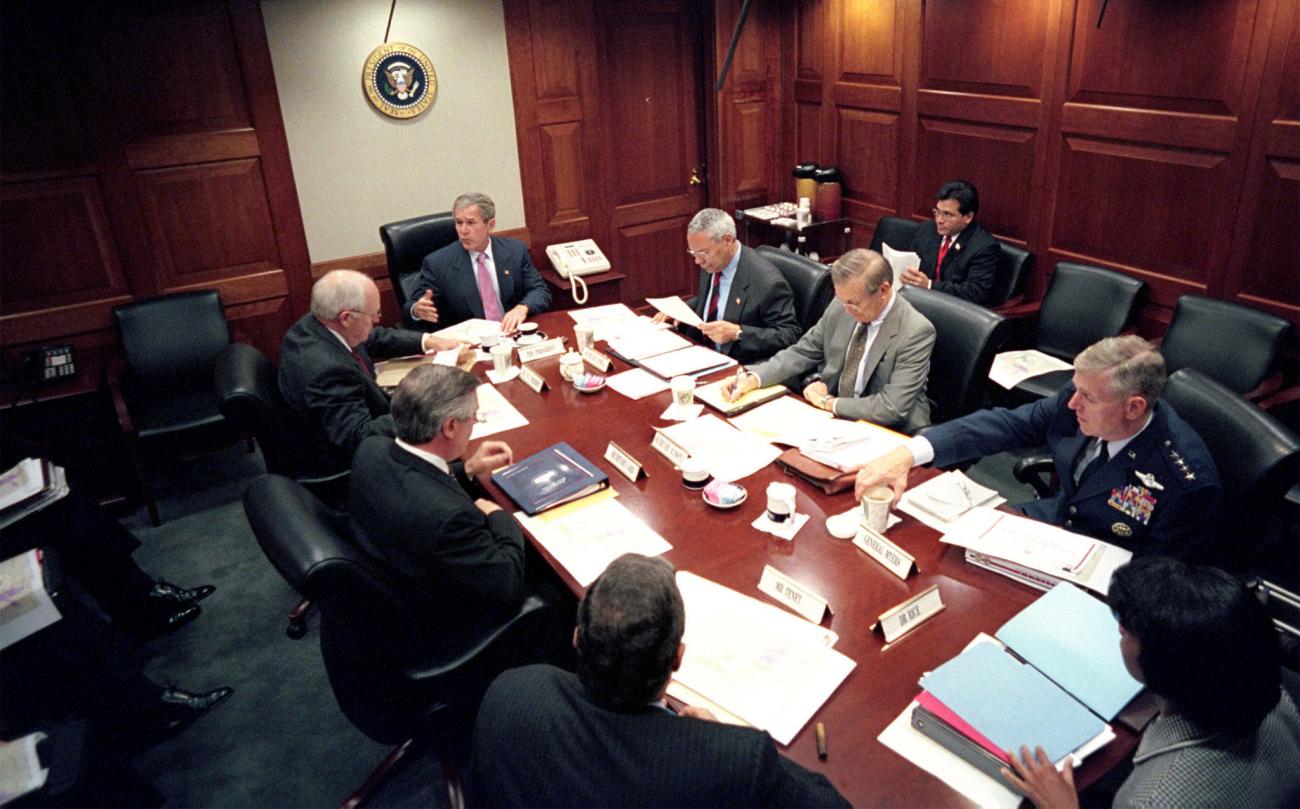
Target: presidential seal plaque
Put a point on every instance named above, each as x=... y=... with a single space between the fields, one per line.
x=399 y=80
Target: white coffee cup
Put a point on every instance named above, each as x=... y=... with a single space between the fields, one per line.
x=585 y=334
x=780 y=502
x=695 y=475
x=501 y=357
x=489 y=341
x=570 y=365
x=875 y=505
x=683 y=390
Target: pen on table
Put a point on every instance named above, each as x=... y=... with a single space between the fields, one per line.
x=821 y=741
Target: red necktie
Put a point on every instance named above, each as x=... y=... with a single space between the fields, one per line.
x=943 y=251
x=491 y=307
x=712 y=314
x=365 y=369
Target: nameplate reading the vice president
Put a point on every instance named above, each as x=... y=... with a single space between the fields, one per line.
x=596 y=359
x=666 y=447
x=546 y=348
x=895 y=559
x=533 y=379
x=793 y=595
x=625 y=463
x=896 y=622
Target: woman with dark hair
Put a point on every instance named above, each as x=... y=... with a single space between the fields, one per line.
x=1227 y=734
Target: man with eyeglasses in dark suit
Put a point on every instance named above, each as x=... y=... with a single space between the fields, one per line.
x=958 y=256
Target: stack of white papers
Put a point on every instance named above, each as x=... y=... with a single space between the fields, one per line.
x=693 y=361
x=759 y=664
x=608 y=313
x=495 y=414
x=1010 y=368
x=28 y=487
x=942 y=500
x=25 y=605
x=726 y=452
x=585 y=536
x=1034 y=552
x=787 y=420
x=676 y=309
x=470 y=331
x=636 y=383
x=849 y=445
x=642 y=343
x=900 y=260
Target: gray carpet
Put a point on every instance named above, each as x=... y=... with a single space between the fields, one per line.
x=281 y=739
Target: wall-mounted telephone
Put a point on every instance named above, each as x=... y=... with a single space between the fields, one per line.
x=49 y=364
x=575 y=259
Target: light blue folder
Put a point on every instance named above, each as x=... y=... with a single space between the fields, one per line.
x=1073 y=639
x=1011 y=703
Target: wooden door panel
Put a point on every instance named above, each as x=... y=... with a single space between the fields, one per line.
x=1005 y=56
x=869 y=47
x=1271 y=272
x=208 y=221
x=1180 y=57
x=999 y=160
x=657 y=248
x=868 y=141
x=564 y=176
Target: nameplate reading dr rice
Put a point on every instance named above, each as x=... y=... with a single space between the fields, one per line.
x=896 y=622
x=546 y=348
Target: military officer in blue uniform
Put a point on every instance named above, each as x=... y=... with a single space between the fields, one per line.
x=1132 y=472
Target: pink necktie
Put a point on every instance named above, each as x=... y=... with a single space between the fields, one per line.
x=491 y=307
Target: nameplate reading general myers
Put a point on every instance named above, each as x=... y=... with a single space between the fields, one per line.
x=546 y=348
x=793 y=595
x=533 y=379
x=895 y=559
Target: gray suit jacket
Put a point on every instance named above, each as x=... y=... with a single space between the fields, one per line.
x=898 y=365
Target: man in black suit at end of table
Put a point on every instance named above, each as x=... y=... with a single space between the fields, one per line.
x=480 y=275
x=327 y=365
x=745 y=303
x=459 y=556
x=958 y=255
x=605 y=736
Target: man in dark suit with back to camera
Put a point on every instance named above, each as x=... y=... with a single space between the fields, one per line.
x=958 y=255
x=459 y=555
x=1132 y=472
x=870 y=351
x=605 y=737
x=327 y=368
x=478 y=276
x=745 y=303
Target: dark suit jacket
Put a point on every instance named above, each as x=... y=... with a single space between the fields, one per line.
x=448 y=273
x=969 y=267
x=760 y=302
x=541 y=741
x=320 y=380
x=1160 y=494
x=464 y=567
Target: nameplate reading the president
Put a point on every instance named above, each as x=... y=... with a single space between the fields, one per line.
x=666 y=447
x=623 y=462
x=896 y=622
x=546 y=348
x=793 y=595
x=533 y=379
x=895 y=559
x=596 y=359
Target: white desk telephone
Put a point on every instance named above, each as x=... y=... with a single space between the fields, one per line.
x=575 y=259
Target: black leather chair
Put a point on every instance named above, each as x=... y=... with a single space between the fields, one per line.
x=1257 y=457
x=1083 y=304
x=170 y=344
x=809 y=280
x=388 y=681
x=406 y=243
x=895 y=231
x=967 y=336
x=1233 y=344
x=1015 y=265
x=248 y=394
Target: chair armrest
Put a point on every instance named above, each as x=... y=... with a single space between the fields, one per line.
x=1021 y=310
x=1283 y=397
x=112 y=380
x=1037 y=471
x=494 y=644
x=1265 y=389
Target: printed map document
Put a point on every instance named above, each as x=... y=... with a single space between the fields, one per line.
x=761 y=664
x=1010 y=368
x=586 y=535
x=941 y=500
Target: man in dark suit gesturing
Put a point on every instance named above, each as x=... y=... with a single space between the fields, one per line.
x=327 y=366
x=958 y=255
x=480 y=275
x=745 y=303
x=605 y=737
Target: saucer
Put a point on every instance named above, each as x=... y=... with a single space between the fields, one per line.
x=720 y=494
x=530 y=339
x=588 y=383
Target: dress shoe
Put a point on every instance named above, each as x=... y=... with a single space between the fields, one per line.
x=168 y=618
x=181 y=707
x=166 y=591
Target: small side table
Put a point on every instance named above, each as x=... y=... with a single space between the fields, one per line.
x=829 y=239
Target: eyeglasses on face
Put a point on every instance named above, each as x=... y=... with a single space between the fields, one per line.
x=944 y=215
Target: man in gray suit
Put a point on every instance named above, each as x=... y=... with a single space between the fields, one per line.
x=870 y=349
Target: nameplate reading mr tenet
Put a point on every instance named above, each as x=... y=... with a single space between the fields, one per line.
x=533 y=379
x=793 y=594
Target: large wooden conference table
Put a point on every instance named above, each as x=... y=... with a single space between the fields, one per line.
x=722 y=546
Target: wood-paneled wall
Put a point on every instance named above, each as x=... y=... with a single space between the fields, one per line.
x=1164 y=144
x=142 y=153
